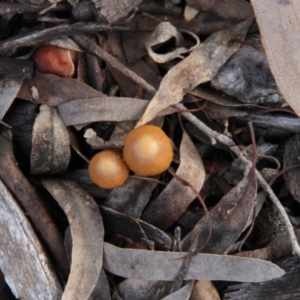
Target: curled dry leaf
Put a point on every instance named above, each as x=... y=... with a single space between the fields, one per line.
x=228 y=218
x=280 y=29
x=87 y=234
x=176 y=197
x=290 y=159
x=50 y=152
x=163 y=33
x=132 y=263
x=27 y=270
x=200 y=66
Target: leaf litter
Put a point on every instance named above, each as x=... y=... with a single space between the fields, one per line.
x=156 y=240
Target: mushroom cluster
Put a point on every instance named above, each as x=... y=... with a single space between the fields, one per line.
x=147 y=152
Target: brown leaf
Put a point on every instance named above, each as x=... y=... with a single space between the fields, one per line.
x=176 y=197
x=200 y=66
x=50 y=143
x=163 y=33
x=87 y=233
x=27 y=269
x=132 y=263
x=279 y=28
x=228 y=218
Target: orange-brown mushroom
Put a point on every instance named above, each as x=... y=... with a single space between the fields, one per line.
x=108 y=170
x=54 y=60
x=147 y=150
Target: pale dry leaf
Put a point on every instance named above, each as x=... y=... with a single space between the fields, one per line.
x=87 y=236
x=176 y=197
x=182 y=294
x=158 y=265
x=163 y=33
x=51 y=151
x=279 y=26
x=200 y=66
x=101 y=109
x=27 y=269
x=228 y=218
x=204 y=290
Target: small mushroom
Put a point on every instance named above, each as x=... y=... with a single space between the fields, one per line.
x=54 y=60
x=147 y=150
x=108 y=170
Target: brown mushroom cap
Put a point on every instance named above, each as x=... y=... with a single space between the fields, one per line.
x=54 y=60
x=108 y=170
x=147 y=150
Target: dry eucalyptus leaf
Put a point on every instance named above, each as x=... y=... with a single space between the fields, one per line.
x=52 y=90
x=279 y=27
x=176 y=197
x=291 y=158
x=132 y=197
x=228 y=218
x=158 y=265
x=200 y=66
x=27 y=270
x=50 y=152
x=101 y=290
x=182 y=294
x=101 y=109
x=87 y=233
x=163 y=33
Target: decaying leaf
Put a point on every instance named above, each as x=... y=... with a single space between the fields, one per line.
x=27 y=270
x=87 y=233
x=200 y=66
x=51 y=151
x=132 y=263
x=228 y=218
x=163 y=33
x=290 y=159
x=280 y=31
x=176 y=197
